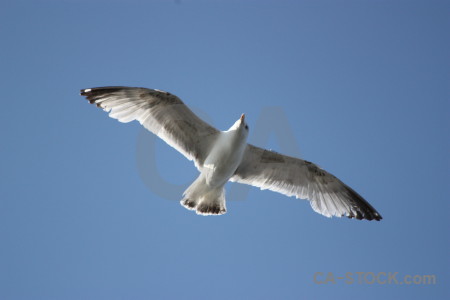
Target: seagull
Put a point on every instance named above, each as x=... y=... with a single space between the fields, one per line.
x=222 y=156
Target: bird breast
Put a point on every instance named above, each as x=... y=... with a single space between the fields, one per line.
x=224 y=158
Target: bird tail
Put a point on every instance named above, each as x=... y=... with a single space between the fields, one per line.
x=205 y=200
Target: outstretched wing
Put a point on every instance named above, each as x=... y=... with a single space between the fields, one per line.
x=160 y=112
x=300 y=178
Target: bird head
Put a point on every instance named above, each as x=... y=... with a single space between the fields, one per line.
x=240 y=125
x=243 y=124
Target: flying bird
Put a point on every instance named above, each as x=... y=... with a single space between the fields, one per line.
x=223 y=156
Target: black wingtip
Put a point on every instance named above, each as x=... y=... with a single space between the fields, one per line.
x=364 y=211
x=93 y=94
x=368 y=217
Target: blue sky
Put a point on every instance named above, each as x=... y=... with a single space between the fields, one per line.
x=362 y=86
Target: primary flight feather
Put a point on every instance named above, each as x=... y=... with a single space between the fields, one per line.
x=223 y=156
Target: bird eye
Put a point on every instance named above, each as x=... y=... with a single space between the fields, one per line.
x=246 y=127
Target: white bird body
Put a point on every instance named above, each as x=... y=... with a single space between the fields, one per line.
x=208 y=190
x=223 y=156
x=226 y=155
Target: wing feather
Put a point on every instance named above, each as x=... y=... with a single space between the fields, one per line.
x=296 y=177
x=160 y=112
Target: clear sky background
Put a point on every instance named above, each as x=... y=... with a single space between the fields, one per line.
x=362 y=86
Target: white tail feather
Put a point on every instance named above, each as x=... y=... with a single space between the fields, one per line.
x=202 y=198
